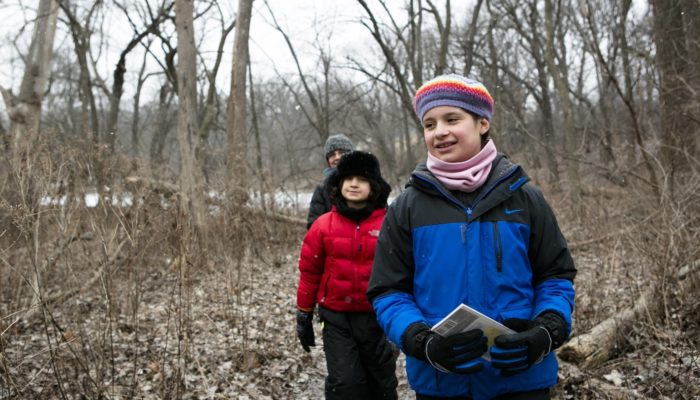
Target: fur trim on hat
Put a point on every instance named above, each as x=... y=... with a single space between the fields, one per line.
x=366 y=165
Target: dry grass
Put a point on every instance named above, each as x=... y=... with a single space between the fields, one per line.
x=122 y=302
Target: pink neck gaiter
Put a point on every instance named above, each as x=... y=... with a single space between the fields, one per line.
x=466 y=176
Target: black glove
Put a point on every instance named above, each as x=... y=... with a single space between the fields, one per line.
x=515 y=353
x=305 y=329
x=457 y=353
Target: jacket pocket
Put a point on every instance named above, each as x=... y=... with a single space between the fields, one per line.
x=497 y=247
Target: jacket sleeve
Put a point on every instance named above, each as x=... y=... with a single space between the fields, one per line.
x=391 y=283
x=317 y=207
x=552 y=264
x=311 y=261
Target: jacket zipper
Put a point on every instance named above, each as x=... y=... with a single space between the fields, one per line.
x=482 y=195
x=357 y=240
x=470 y=210
x=498 y=247
x=325 y=290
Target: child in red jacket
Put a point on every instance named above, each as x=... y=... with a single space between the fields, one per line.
x=335 y=265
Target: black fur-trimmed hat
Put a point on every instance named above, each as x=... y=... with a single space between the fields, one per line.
x=366 y=165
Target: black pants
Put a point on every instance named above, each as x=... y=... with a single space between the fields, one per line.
x=361 y=361
x=541 y=394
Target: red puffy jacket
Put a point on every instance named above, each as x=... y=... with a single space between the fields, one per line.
x=336 y=261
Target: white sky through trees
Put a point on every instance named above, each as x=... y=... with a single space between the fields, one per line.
x=332 y=25
x=311 y=24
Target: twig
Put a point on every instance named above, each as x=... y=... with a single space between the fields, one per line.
x=584 y=243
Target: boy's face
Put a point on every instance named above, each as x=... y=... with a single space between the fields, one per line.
x=355 y=190
x=452 y=134
x=334 y=158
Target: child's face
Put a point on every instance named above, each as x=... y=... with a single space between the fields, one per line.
x=355 y=191
x=334 y=158
x=452 y=134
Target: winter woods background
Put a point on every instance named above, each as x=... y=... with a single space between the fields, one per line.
x=185 y=126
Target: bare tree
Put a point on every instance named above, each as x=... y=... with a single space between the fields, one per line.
x=236 y=113
x=136 y=118
x=675 y=81
x=557 y=66
x=691 y=18
x=623 y=86
x=524 y=20
x=190 y=174
x=210 y=107
x=156 y=18
x=4 y=137
x=404 y=48
x=162 y=126
x=318 y=110
x=81 y=29
x=404 y=88
x=468 y=43
x=444 y=27
x=25 y=109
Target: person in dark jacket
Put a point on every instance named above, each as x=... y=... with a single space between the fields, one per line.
x=334 y=265
x=335 y=147
x=470 y=228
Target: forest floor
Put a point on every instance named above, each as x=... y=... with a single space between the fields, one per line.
x=137 y=321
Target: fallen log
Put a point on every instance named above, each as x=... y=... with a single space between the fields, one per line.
x=594 y=347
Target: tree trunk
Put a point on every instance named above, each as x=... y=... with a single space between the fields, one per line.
x=161 y=128
x=81 y=31
x=25 y=110
x=140 y=81
x=258 y=146
x=444 y=29
x=544 y=100
x=4 y=138
x=192 y=202
x=631 y=154
x=469 y=44
x=236 y=112
x=558 y=73
x=691 y=17
x=210 y=110
x=674 y=90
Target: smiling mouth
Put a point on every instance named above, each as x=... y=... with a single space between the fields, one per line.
x=444 y=145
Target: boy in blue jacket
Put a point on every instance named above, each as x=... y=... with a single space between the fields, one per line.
x=470 y=229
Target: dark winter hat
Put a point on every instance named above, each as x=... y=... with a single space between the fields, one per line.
x=366 y=165
x=337 y=142
x=456 y=91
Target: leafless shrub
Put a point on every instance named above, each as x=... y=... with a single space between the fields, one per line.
x=108 y=300
x=632 y=245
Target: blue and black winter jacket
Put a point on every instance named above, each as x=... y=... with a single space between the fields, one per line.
x=503 y=255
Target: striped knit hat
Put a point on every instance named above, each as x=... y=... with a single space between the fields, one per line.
x=456 y=91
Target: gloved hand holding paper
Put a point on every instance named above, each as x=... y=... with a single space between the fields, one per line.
x=464 y=318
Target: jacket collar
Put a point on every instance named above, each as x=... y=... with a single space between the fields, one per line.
x=504 y=179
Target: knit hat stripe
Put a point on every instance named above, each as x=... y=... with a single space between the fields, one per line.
x=478 y=90
x=454 y=90
x=471 y=100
